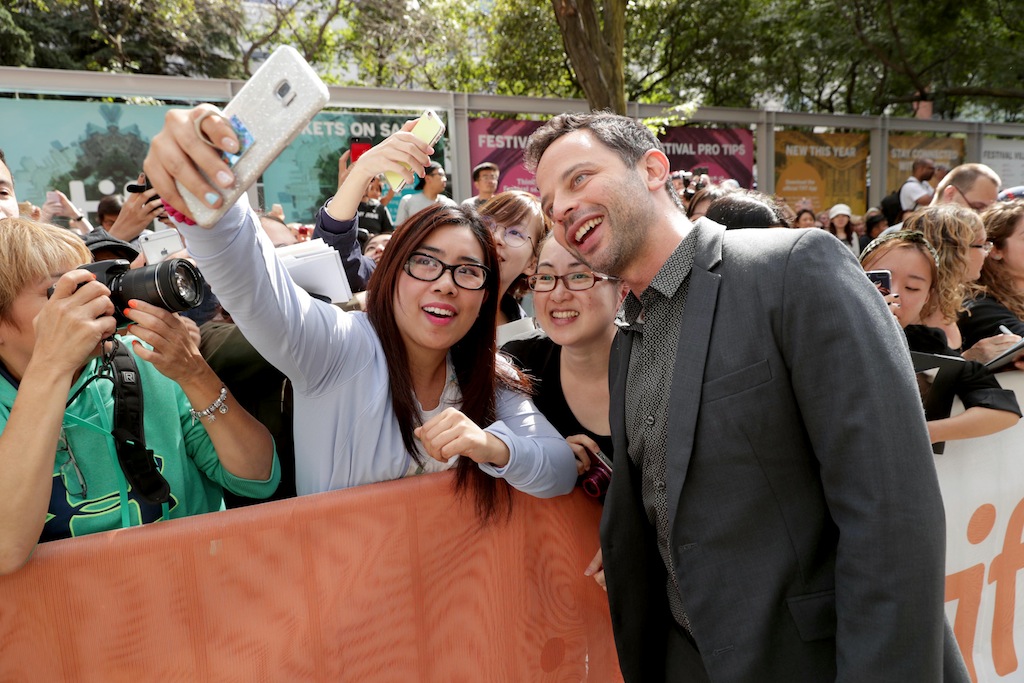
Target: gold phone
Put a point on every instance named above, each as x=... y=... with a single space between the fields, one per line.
x=429 y=128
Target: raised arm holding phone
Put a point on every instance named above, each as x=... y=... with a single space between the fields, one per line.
x=430 y=387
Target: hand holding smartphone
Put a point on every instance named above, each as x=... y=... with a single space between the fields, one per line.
x=429 y=128
x=357 y=147
x=268 y=113
x=160 y=245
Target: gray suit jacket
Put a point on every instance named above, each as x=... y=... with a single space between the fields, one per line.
x=807 y=527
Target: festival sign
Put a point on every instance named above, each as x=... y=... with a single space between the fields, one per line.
x=725 y=152
x=904 y=149
x=820 y=170
x=1005 y=157
x=501 y=142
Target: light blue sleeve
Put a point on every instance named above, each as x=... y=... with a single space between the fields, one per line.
x=541 y=462
x=308 y=340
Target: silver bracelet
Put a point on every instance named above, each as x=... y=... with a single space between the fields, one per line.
x=218 y=406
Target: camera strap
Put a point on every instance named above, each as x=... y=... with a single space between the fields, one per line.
x=137 y=461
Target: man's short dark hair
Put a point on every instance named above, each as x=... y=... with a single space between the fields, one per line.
x=430 y=170
x=627 y=137
x=3 y=159
x=486 y=166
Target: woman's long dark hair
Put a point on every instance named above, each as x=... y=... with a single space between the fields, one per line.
x=473 y=356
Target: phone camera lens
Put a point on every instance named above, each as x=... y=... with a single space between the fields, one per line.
x=283 y=90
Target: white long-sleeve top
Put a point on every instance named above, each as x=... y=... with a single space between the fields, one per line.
x=346 y=433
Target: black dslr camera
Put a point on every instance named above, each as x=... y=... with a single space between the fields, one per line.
x=173 y=285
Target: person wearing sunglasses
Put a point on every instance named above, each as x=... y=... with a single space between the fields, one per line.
x=413 y=385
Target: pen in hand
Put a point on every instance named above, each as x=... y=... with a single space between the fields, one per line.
x=1004 y=329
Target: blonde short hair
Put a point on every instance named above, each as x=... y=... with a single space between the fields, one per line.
x=30 y=251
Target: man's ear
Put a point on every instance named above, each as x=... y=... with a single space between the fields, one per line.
x=655 y=169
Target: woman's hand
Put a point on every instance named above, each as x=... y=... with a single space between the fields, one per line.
x=138 y=211
x=990 y=347
x=583 y=447
x=402 y=152
x=175 y=352
x=596 y=569
x=451 y=433
x=72 y=323
x=177 y=153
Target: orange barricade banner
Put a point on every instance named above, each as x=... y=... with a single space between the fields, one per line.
x=390 y=582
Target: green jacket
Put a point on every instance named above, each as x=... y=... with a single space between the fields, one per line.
x=183 y=450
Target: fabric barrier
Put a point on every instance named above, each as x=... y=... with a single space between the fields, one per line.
x=389 y=582
x=983 y=489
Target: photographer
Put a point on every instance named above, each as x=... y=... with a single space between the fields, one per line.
x=59 y=472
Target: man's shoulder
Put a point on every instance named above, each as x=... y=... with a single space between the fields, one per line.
x=445 y=199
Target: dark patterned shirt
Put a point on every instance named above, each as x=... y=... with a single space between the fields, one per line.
x=655 y=319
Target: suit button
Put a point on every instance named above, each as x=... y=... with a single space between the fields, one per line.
x=649 y=420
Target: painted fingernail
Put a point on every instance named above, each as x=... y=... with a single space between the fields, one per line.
x=211 y=198
x=225 y=178
x=133 y=303
x=228 y=144
x=126 y=312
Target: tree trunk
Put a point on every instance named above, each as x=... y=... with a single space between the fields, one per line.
x=595 y=48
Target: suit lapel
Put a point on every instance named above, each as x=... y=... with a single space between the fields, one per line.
x=691 y=357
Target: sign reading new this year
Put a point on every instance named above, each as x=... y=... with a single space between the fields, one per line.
x=819 y=170
x=92 y=149
x=727 y=153
x=904 y=149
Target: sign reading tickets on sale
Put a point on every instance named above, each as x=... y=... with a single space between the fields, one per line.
x=819 y=170
x=904 y=149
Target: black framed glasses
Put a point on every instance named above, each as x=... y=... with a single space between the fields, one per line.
x=577 y=282
x=425 y=267
x=74 y=480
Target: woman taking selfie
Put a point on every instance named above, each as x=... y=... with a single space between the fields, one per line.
x=406 y=387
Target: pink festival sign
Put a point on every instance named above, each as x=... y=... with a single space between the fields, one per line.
x=727 y=152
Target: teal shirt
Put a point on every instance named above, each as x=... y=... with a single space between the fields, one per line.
x=183 y=452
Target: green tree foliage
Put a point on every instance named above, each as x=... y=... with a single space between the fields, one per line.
x=178 y=37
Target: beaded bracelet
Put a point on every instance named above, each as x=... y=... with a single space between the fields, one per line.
x=218 y=406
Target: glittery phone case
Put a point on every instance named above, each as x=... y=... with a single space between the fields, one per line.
x=268 y=113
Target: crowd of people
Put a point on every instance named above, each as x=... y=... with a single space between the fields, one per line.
x=762 y=520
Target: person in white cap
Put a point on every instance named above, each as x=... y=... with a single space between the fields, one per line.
x=839 y=225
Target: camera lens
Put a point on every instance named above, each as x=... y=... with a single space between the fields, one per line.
x=174 y=285
x=283 y=89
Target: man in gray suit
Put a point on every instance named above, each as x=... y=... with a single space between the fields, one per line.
x=774 y=512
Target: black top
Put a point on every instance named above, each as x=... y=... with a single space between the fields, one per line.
x=375 y=218
x=536 y=355
x=982 y=319
x=972 y=382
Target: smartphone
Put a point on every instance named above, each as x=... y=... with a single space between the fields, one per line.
x=268 y=113
x=53 y=197
x=159 y=245
x=429 y=128
x=357 y=147
x=882 y=279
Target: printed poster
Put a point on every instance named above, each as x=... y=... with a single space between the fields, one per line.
x=904 y=149
x=822 y=169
